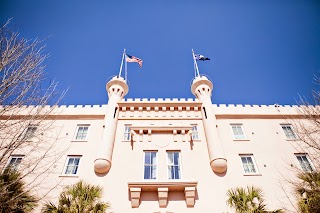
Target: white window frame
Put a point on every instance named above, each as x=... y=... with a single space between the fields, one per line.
x=288 y=127
x=77 y=130
x=29 y=133
x=179 y=165
x=66 y=165
x=308 y=160
x=15 y=167
x=195 y=132
x=126 y=134
x=242 y=129
x=157 y=164
x=253 y=161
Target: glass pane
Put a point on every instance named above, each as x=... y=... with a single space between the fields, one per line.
x=75 y=169
x=249 y=159
x=244 y=160
x=170 y=158
x=76 y=161
x=238 y=132
x=68 y=170
x=82 y=133
x=177 y=172
x=176 y=158
x=12 y=161
x=234 y=130
x=147 y=158
x=70 y=162
x=169 y=172
x=154 y=172
x=304 y=163
x=253 y=170
x=147 y=171
x=299 y=159
x=195 y=132
x=304 y=158
x=246 y=169
x=153 y=158
x=18 y=161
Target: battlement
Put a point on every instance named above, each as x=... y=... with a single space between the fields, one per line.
x=167 y=107
x=139 y=100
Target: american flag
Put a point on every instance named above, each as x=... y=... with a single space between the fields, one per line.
x=130 y=58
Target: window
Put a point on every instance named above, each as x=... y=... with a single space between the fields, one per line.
x=288 y=132
x=150 y=165
x=238 y=133
x=30 y=132
x=14 y=161
x=72 y=165
x=249 y=165
x=82 y=132
x=305 y=162
x=174 y=165
x=195 y=133
x=127 y=135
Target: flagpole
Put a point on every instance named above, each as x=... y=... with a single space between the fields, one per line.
x=124 y=51
x=125 y=68
x=195 y=63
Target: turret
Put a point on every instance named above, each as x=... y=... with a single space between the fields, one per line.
x=202 y=89
x=117 y=88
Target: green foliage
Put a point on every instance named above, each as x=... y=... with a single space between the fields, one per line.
x=78 y=198
x=13 y=195
x=310 y=188
x=249 y=200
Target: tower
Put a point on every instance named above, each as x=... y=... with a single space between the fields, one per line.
x=202 y=89
x=117 y=88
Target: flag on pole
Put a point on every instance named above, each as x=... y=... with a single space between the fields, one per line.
x=130 y=58
x=199 y=57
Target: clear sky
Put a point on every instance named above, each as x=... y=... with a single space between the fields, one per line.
x=262 y=52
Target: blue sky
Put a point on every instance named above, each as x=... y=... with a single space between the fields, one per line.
x=262 y=52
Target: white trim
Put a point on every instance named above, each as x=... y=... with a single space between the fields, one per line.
x=124 y=132
x=180 y=164
x=291 y=129
x=14 y=156
x=308 y=159
x=254 y=164
x=157 y=164
x=66 y=164
x=242 y=129
x=76 y=132
x=26 y=132
x=198 y=132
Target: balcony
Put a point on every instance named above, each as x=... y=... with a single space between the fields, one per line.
x=163 y=189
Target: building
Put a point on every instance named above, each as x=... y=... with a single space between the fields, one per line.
x=174 y=155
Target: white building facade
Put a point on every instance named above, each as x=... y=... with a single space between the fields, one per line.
x=175 y=155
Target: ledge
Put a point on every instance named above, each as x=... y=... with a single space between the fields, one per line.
x=296 y=139
x=252 y=174
x=163 y=189
x=161 y=128
x=69 y=176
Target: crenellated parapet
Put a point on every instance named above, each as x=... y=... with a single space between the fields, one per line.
x=161 y=108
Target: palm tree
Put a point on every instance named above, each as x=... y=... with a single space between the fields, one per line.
x=249 y=200
x=78 y=198
x=246 y=200
x=309 y=188
x=14 y=197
